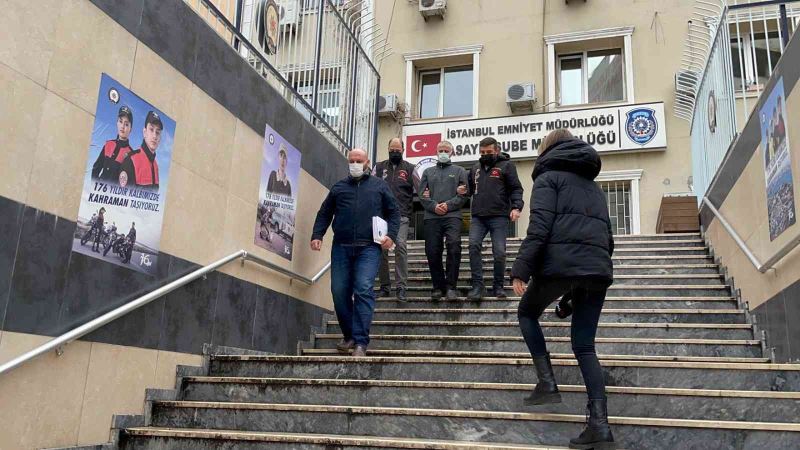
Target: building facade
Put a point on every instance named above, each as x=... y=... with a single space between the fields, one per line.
x=515 y=68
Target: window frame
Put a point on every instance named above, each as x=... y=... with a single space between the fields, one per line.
x=440 y=108
x=412 y=81
x=633 y=176
x=553 y=64
x=584 y=58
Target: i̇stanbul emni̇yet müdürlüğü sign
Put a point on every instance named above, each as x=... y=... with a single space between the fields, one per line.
x=609 y=129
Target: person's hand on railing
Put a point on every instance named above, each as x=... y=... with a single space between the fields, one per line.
x=316 y=245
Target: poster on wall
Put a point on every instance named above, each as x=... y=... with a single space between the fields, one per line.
x=775 y=147
x=277 y=194
x=125 y=182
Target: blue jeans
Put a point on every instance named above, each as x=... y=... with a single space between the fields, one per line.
x=497 y=226
x=353 y=271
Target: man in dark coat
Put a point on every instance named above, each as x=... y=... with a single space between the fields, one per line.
x=398 y=174
x=442 y=191
x=567 y=249
x=496 y=199
x=351 y=205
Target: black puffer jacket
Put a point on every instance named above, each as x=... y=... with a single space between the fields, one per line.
x=569 y=235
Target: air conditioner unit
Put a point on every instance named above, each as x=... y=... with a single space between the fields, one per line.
x=388 y=105
x=290 y=14
x=521 y=96
x=431 y=8
x=686 y=82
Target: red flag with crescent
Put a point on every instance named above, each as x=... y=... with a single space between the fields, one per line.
x=422 y=145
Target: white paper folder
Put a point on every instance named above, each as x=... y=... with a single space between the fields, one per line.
x=379 y=229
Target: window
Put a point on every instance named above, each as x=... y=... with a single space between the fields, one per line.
x=621 y=188
x=445 y=92
x=590 y=67
x=618 y=197
x=443 y=82
x=591 y=77
x=754 y=56
x=310 y=6
x=329 y=103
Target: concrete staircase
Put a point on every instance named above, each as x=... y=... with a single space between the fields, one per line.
x=683 y=367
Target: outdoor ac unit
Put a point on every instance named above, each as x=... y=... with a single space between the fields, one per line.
x=431 y=8
x=686 y=82
x=521 y=96
x=290 y=13
x=388 y=105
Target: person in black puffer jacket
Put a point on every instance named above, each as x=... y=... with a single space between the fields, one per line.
x=567 y=249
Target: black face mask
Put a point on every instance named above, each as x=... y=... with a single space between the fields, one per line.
x=488 y=160
x=395 y=157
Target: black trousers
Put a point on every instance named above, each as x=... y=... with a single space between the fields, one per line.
x=587 y=302
x=437 y=230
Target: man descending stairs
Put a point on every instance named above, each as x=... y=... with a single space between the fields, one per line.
x=683 y=368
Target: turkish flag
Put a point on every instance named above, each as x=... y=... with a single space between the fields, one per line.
x=422 y=145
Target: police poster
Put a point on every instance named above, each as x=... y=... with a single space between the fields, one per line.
x=277 y=194
x=777 y=162
x=125 y=183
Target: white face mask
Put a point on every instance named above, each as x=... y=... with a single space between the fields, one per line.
x=356 y=170
x=444 y=157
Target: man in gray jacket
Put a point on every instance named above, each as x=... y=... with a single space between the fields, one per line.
x=443 y=191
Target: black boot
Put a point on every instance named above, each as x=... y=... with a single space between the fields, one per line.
x=597 y=434
x=546 y=390
x=475 y=294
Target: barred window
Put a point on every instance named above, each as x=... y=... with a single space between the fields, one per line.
x=618 y=198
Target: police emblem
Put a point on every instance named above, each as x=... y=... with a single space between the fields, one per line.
x=641 y=125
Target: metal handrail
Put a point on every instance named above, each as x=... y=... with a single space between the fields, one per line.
x=761 y=267
x=76 y=333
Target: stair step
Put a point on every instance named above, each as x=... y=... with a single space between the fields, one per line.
x=515 y=244
x=708 y=375
x=631 y=401
x=607 y=315
x=492 y=426
x=619 y=269
x=514 y=355
x=632 y=347
x=561 y=328
x=680 y=279
x=200 y=439
x=625 y=251
x=670 y=260
x=617 y=238
x=611 y=302
x=650 y=290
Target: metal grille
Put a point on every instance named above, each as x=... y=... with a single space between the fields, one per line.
x=731 y=50
x=618 y=198
x=323 y=63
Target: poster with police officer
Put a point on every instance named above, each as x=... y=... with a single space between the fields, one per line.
x=277 y=194
x=125 y=183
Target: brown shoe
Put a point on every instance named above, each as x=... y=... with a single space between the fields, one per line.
x=361 y=350
x=345 y=345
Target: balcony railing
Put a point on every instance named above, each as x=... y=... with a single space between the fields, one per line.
x=322 y=59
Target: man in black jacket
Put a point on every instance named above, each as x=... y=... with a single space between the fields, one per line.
x=567 y=249
x=351 y=205
x=496 y=199
x=442 y=189
x=398 y=175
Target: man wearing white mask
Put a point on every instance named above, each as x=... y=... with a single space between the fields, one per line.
x=355 y=257
x=443 y=190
